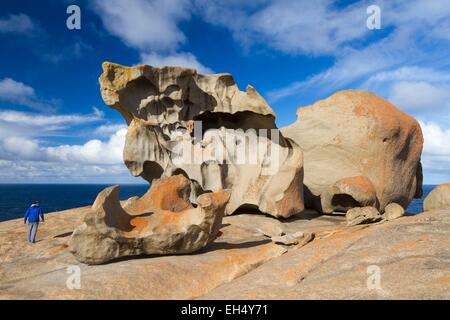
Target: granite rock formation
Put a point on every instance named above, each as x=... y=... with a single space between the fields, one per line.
x=162 y=221
x=359 y=150
x=204 y=127
x=439 y=197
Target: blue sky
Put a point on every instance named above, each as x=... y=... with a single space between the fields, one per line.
x=54 y=127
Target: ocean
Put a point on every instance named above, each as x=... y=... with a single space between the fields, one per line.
x=16 y=198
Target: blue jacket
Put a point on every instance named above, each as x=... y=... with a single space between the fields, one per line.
x=33 y=213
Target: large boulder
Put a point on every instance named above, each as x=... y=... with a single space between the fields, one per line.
x=163 y=221
x=438 y=198
x=359 y=150
x=205 y=128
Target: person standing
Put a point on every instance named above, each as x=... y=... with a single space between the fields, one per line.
x=32 y=216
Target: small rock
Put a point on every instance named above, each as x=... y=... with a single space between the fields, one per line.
x=289 y=239
x=308 y=237
x=393 y=211
x=362 y=215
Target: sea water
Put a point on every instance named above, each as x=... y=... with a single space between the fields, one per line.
x=16 y=198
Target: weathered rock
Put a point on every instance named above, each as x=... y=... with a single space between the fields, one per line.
x=348 y=193
x=362 y=215
x=355 y=133
x=205 y=128
x=289 y=239
x=299 y=239
x=393 y=211
x=163 y=221
x=439 y=197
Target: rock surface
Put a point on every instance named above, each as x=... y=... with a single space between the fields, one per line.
x=162 y=221
x=439 y=197
x=412 y=253
x=204 y=127
x=356 y=143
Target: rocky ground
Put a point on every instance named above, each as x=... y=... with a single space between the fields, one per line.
x=412 y=254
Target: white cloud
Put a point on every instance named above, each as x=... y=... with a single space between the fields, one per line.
x=409 y=43
x=21 y=148
x=151 y=26
x=408 y=73
x=182 y=59
x=24 y=171
x=396 y=12
x=291 y=26
x=45 y=120
x=16 y=23
x=19 y=140
x=436 y=153
x=108 y=129
x=307 y=27
x=354 y=66
x=19 y=93
x=92 y=152
x=13 y=90
x=321 y=27
x=145 y=24
x=419 y=90
x=25 y=159
x=437 y=139
x=419 y=96
x=27 y=155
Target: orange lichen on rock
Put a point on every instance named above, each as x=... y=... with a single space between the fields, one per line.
x=171 y=194
x=363 y=183
x=138 y=223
